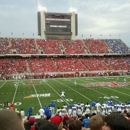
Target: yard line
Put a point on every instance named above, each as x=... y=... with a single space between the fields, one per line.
x=117 y=91
x=37 y=96
x=56 y=92
x=73 y=90
x=15 y=93
x=3 y=84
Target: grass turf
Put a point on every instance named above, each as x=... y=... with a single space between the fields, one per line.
x=39 y=92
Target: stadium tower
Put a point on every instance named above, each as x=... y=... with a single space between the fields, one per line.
x=57 y=26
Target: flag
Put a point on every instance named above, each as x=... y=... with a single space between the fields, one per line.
x=90 y=35
x=33 y=34
x=11 y=33
x=82 y=35
x=110 y=35
x=23 y=33
x=100 y=34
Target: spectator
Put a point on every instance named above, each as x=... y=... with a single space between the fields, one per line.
x=43 y=124
x=10 y=120
x=96 y=122
x=116 y=121
x=57 y=120
x=48 y=126
x=85 y=121
x=30 y=123
x=75 y=125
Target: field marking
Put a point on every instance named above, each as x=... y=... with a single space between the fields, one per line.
x=96 y=91
x=92 y=89
x=37 y=96
x=56 y=92
x=15 y=93
x=3 y=84
x=118 y=91
x=115 y=91
x=73 y=90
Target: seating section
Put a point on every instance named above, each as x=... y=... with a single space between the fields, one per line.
x=63 y=64
x=41 y=65
x=24 y=46
x=69 y=64
x=74 y=46
x=106 y=63
x=36 y=46
x=4 y=46
x=49 y=46
x=117 y=46
x=96 y=46
x=13 y=65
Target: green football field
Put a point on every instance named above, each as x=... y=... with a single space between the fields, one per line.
x=39 y=92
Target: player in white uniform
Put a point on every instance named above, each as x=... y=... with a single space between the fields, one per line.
x=87 y=111
x=82 y=106
x=16 y=85
x=75 y=82
x=125 y=79
x=98 y=108
x=62 y=94
x=58 y=110
x=42 y=113
x=79 y=109
x=119 y=109
x=74 y=113
x=70 y=112
x=22 y=112
x=64 y=106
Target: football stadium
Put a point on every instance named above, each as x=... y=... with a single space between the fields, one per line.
x=58 y=68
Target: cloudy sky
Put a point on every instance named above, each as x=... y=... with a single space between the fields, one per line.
x=111 y=18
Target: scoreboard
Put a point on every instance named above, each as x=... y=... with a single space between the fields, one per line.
x=57 y=25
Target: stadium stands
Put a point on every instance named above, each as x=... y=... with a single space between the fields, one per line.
x=63 y=57
x=117 y=46
x=23 y=46
x=4 y=46
x=49 y=46
x=96 y=46
x=74 y=47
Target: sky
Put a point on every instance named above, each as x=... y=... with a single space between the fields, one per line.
x=103 y=19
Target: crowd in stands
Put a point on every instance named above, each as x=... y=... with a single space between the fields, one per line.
x=35 y=46
x=42 y=65
x=69 y=64
x=88 y=65
x=12 y=65
x=38 y=65
x=117 y=46
x=4 y=46
x=96 y=46
x=77 y=116
x=50 y=46
x=74 y=47
x=23 y=46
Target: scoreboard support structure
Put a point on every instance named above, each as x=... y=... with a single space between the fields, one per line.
x=57 y=26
